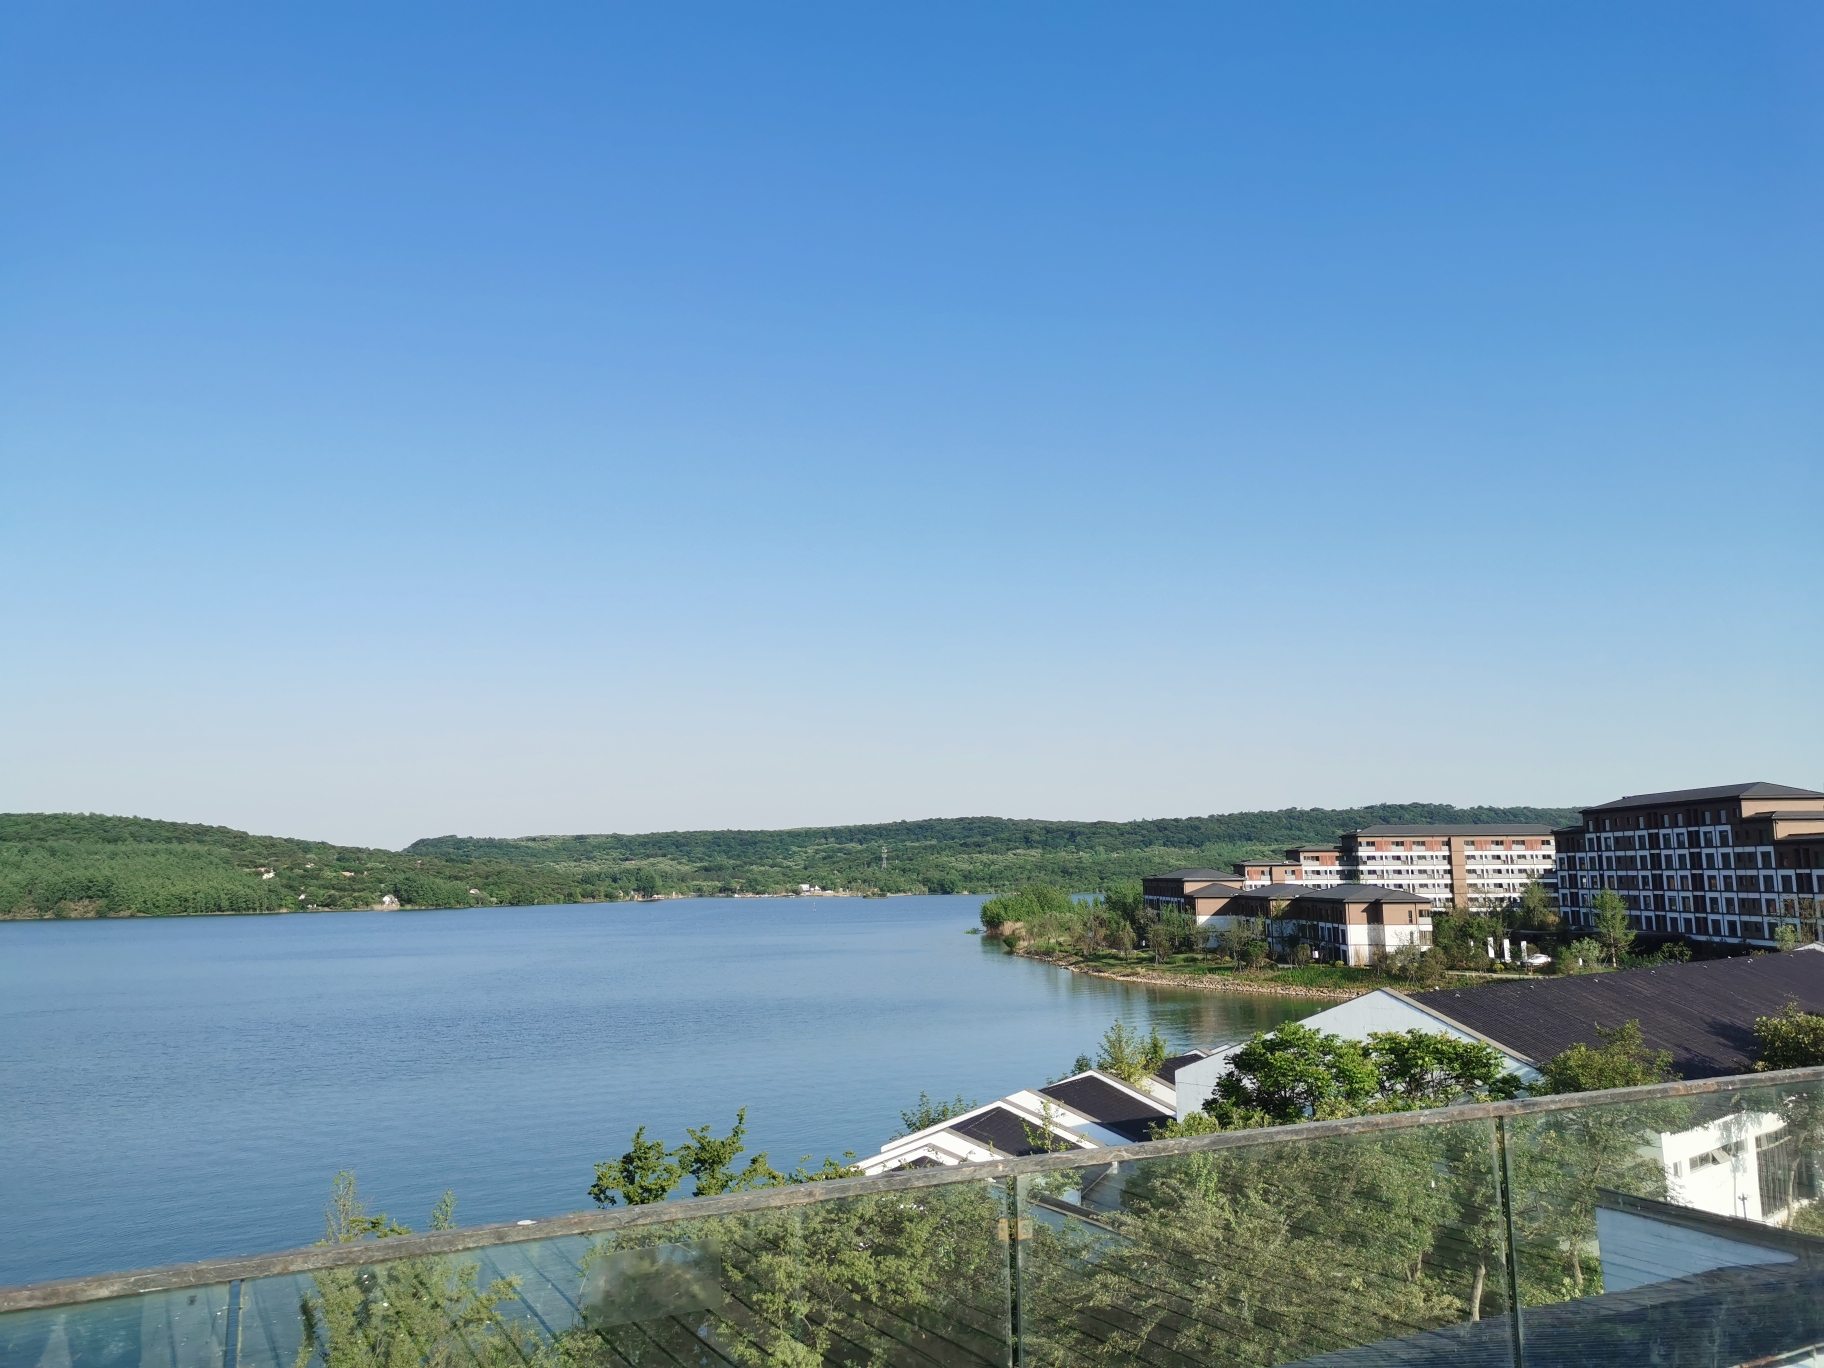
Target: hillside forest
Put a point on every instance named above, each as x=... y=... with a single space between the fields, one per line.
x=89 y=865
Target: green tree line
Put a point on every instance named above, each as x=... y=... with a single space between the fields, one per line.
x=80 y=865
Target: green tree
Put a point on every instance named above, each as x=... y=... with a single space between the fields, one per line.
x=1295 y=1074
x=1786 y=937
x=405 y=1313
x=1235 y=937
x=1430 y=1069
x=710 y=1161
x=1126 y=898
x=1125 y=1055
x=1256 y=1255
x=1460 y=938
x=1621 y=1061
x=644 y=1174
x=1411 y=964
x=927 y=1112
x=1610 y=915
x=1538 y=908
x=1171 y=933
x=1582 y=956
x=1792 y=1039
x=648 y=1172
x=1563 y=1160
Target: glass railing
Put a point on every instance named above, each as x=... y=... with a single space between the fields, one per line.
x=1681 y=1224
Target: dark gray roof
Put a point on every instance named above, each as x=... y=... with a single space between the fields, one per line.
x=1346 y=892
x=1002 y=1130
x=1703 y=1012
x=1105 y=1104
x=1675 y=797
x=1169 y=1070
x=1191 y=874
x=1459 y=829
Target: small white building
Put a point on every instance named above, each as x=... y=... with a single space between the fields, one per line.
x=1089 y=1110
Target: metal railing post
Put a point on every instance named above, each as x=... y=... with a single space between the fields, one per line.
x=231 y=1331
x=1504 y=1180
x=1019 y=1233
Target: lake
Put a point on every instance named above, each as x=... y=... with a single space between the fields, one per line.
x=185 y=1088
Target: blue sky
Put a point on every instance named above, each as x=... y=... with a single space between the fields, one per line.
x=570 y=418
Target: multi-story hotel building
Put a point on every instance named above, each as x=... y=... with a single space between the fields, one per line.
x=1349 y=922
x=1729 y=863
x=1483 y=867
x=1305 y=866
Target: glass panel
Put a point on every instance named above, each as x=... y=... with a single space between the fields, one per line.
x=1273 y=1253
x=917 y=1277
x=1684 y=1230
x=158 y=1330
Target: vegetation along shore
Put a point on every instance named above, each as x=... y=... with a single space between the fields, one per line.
x=87 y=865
x=1115 y=935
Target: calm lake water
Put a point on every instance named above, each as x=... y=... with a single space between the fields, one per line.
x=183 y=1089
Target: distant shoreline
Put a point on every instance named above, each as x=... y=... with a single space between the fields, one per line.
x=88 y=914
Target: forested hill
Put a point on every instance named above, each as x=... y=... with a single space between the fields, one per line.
x=82 y=865
x=954 y=854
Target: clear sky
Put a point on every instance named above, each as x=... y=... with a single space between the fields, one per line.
x=509 y=419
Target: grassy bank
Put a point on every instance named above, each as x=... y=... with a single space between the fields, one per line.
x=1201 y=971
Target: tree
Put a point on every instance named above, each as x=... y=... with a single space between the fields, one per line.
x=1563 y=1160
x=1125 y=1055
x=1622 y=1061
x=1612 y=929
x=1460 y=938
x=1044 y=915
x=1538 y=909
x=1411 y=964
x=1295 y=1074
x=711 y=1161
x=649 y=1173
x=1794 y=1039
x=1171 y=933
x=1430 y=1069
x=1126 y=899
x=927 y=1112
x=1581 y=956
x=644 y=1174
x=1786 y=936
x=427 y=1312
x=1298 y=1074
x=1235 y=937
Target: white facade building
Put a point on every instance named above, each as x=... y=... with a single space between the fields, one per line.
x=1484 y=867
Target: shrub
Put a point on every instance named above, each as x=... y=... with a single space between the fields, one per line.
x=1582 y=956
x=1792 y=1040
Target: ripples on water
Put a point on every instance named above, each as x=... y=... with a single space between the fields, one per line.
x=185 y=1088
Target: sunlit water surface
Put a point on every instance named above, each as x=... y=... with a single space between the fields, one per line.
x=184 y=1089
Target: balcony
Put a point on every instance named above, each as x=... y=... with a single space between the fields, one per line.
x=1671 y=1224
